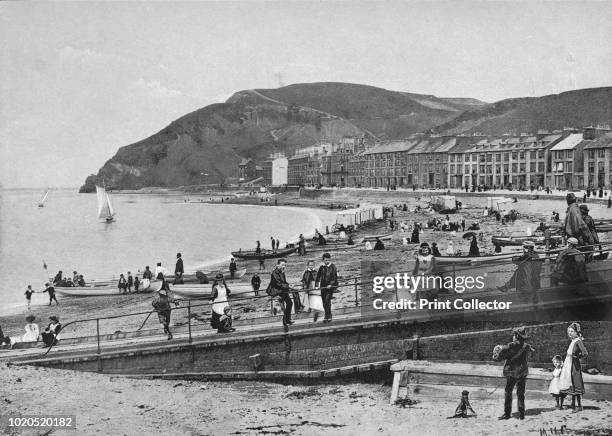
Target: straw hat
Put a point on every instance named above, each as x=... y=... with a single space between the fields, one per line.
x=219 y=276
x=162 y=292
x=572 y=241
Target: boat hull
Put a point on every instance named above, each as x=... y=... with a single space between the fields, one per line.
x=192 y=278
x=265 y=254
x=99 y=291
x=506 y=241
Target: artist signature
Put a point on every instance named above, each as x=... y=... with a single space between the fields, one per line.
x=553 y=431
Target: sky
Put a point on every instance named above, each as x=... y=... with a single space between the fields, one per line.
x=78 y=80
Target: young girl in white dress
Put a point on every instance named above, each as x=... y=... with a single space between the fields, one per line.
x=554 y=388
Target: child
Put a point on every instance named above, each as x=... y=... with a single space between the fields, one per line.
x=225 y=322
x=554 y=383
x=464 y=405
x=136 y=283
x=122 y=285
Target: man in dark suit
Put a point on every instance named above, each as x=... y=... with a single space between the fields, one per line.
x=280 y=288
x=327 y=280
x=515 y=371
x=178 y=270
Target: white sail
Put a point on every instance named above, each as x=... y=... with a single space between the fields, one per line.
x=111 y=210
x=105 y=210
x=41 y=203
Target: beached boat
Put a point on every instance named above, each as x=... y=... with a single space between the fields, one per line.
x=203 y=291
x=105 y=207
x=41 y=203
x=371 y=238
x=444 y=204
x=505 y=241
x=458 y=260
x=264 y=253
x=193 y=278
x=98 y=291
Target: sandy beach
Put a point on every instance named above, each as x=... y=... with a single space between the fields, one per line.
x=106 y=405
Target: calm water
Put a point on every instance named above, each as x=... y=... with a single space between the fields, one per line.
x=67 y=235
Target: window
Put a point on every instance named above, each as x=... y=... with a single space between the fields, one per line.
x=522 y=155
x=482 y=169
x=489 y=157
x=522 y=168
x=532 y=154
x=570 y=167
x=452 y=158
x=505 y=168
x=497 y=157
x=541 y=154
x=506 y=157
x=514 y=155
x=540 y=167
x=459 y=158
x=514 y=167
x=601 y=153
x=569 y=154
x=532 y=167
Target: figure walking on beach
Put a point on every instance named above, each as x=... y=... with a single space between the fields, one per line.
x=327 y=280
x=515 y=371
x=570 y=380
x=574 y=225
x=232 y=268
x=256 y=283
x=51 y=291
x=161 y=304
x=28 y=294
x=130 y=282
x=279 y=287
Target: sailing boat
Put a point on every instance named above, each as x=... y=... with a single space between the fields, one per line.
x=105 y=207
x=41 y=203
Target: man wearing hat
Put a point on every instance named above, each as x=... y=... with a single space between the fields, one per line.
x=515 y=371
x=178 y=270
x=570 y=266
x=161 y=304
x=279 y=287
x=574 y=225
x=526 y=278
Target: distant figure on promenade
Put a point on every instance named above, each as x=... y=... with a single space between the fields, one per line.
x=51 y=291
x=464 y=406
x=463 y=224
x=474 y=250
x=136 y=284
x=515 y=370
x=258 y=247
x=122 y=284
x=415 y=235
x=327 y=280
x=277 y=244
x=219 y=297
x=279 y=287
x=600 y=192
x=161 y=304
x=379 y=245
x=570 y=266
x=28 y=294
x=232 y=268
x=130 y=282
x=58 y=278
x=179 y=270
x=256 y=283
x=574 y=225
x=301 y=245
x=225 y=322
x=526 y=278
x=32 y=330
x=434 y=250
x=51 y=334
x=570 y=380
x=147 y=276
x=272 y=242
x=610 y=202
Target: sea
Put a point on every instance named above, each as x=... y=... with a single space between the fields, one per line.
x=66 y=234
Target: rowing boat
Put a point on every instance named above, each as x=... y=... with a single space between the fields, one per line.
x=263 y=253
x=458 y=260
x=204 y=291
x=505 y=241
x=193 y=278
x=371 y=238
x=97 y=291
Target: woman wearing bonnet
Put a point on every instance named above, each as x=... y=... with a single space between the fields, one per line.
x=570 y=380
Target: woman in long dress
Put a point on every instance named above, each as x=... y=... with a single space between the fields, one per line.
x=32 y=330
x=219 y=295
x=314 y=301
x=570 y=380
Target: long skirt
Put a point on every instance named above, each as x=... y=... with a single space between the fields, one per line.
x=571 y=374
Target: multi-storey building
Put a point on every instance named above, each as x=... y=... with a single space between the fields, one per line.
x=388 y=164
x=247 y=169
x=567 y=162
x=598 y=161
x=275 y=170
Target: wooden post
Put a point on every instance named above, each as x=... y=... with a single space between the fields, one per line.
x=189 y=318
x=356 y=295
x=397 y=375
x=98 y=341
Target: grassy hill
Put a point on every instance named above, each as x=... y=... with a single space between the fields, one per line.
x=569 y=109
